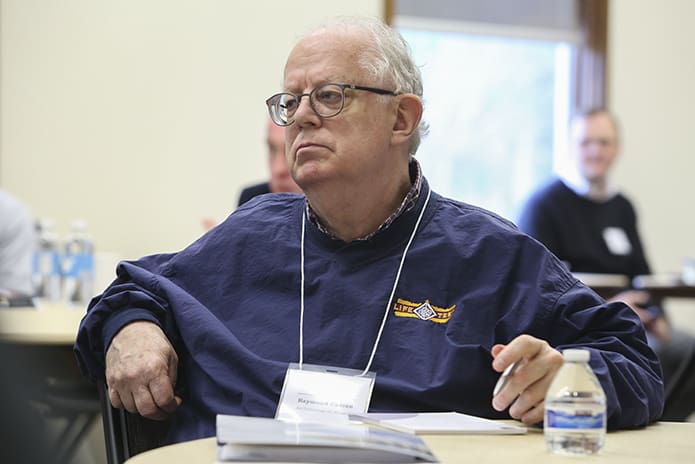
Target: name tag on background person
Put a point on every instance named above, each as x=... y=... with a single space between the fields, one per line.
x=617 y=241
x=323 y=394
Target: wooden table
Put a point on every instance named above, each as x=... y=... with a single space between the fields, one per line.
x=46 y=324
x=659 y=285
x=664 y=286
x=605 y=285
x=664 y=442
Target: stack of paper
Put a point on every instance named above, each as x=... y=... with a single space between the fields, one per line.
x=242 y=438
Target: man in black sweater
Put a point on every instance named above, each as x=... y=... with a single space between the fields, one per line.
x=586 y=222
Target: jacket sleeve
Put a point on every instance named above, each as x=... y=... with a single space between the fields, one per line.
x=136 y=294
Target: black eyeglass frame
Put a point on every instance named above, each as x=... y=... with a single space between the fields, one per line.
x=273 y=101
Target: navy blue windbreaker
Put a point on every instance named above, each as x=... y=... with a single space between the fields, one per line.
x=230 y=305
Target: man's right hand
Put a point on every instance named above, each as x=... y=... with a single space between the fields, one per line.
x=141 y=368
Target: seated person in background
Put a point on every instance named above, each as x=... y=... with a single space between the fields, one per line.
x=371 y=270
x=17 y=244
x=280 y=178
x=586 y=222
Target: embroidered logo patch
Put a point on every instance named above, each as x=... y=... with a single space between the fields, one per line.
x=424 y=311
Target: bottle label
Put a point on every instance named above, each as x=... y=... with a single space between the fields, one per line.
x=577 y=420
x=78 y=264
x=47 y=263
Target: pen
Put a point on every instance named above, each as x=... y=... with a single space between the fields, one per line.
x=502 y=381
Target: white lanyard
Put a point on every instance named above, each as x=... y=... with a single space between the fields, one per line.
x=388 y=304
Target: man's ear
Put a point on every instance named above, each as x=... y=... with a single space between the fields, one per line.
x=408 y=115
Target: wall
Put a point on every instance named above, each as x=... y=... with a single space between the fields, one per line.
x=651 y=75
x=142 y=116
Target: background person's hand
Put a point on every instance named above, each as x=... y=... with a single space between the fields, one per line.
x=537 y=364
x=208 y=223
x=638 y=300
x=141 y=368
x=635 y=299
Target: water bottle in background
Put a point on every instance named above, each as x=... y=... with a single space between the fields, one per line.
x=78 y=265
x=46 y=263
x=575 y=408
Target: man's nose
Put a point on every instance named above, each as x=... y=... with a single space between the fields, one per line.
x=305 y=112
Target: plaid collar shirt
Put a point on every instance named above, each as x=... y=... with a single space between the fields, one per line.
x=407 y=204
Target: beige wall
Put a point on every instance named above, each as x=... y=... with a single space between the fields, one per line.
x=142 y=116
x=651 y=76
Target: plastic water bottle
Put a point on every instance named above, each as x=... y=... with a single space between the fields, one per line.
x=575 y=408
x=46 y=263
x=78 y=265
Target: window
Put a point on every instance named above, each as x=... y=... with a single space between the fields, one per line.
x=498 y=109
x=502 y=79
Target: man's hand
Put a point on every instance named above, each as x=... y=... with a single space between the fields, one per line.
x=141 y=370
x=537 y=364
x=637 y=300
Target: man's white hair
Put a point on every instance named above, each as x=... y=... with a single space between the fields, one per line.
x=387 y=59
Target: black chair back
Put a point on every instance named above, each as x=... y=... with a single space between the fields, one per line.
x=127 y=434
x=679 y=403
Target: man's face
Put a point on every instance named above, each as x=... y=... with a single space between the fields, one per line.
x=280 y=178
x=595 y=146
x=351 y=149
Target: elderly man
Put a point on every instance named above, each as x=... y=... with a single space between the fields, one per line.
x=371 y=271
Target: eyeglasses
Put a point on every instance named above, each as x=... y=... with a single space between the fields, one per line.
x=326 y=100
x=602 y=142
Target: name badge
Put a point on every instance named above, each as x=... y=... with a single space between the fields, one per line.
x=617 y=241
x=324 y=394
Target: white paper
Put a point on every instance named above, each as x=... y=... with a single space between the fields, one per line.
x=438 y=422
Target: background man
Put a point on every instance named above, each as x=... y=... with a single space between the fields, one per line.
x=370 y=270
x=586 y=222
x=280 y=178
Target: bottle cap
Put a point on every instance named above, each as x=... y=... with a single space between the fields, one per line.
x=78 y=225
x=45 y=224
x=576 y=355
